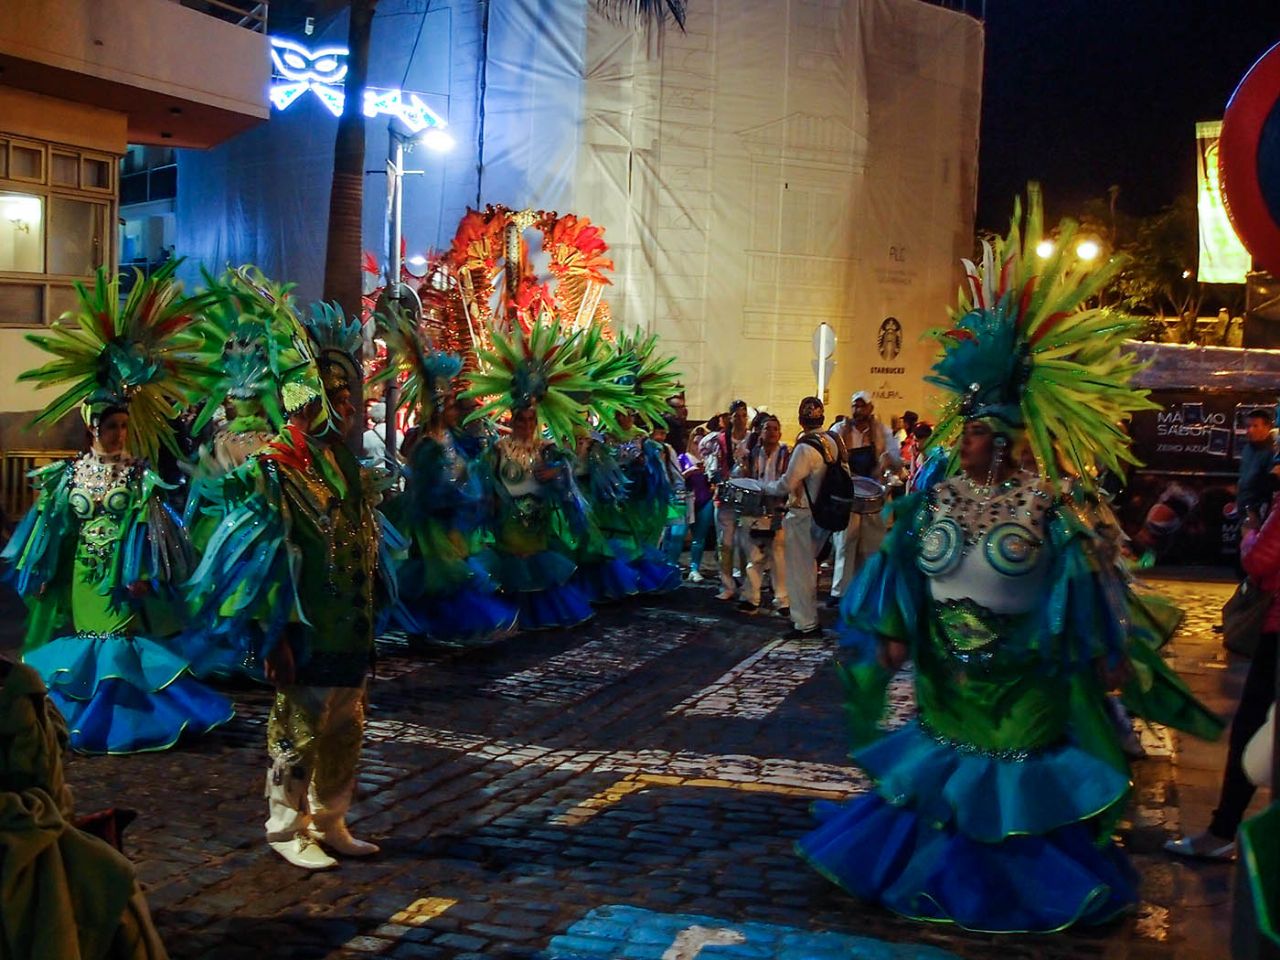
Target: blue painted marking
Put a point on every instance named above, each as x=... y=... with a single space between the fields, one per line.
x=632 y=933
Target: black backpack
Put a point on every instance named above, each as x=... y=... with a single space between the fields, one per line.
x=833 y=505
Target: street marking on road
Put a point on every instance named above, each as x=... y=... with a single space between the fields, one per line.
x=422 y=911
x=580 y=813
x=757 y=686
x=609 y=932
x=589 y=668
x=736 y=768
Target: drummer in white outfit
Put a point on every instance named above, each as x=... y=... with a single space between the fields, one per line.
x=760 y=538
x=872 y=449
x=803 y=538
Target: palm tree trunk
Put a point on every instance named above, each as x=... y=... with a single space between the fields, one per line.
x=343 y=247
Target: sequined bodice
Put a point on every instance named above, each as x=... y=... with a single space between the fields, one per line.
x=102 y=488
x=101 y=485
x=985 y=545
x=516 y=462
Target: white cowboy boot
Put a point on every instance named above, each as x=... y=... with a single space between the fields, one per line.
x=335 y=835
x=302 y=851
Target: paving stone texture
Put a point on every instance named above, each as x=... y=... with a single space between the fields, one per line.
x=656 y=763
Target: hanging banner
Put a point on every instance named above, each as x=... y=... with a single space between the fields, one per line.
x=1223 y=258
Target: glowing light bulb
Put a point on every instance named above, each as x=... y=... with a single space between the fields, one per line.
x=1044 y=249
x=1088 y=250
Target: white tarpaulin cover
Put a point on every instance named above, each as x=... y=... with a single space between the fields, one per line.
x=781 y=164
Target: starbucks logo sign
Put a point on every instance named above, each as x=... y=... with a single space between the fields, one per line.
x=889 y=339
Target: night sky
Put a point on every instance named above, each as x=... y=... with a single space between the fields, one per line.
x=1082 y=94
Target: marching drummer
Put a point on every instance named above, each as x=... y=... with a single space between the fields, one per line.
x=760 y=536
x=872 y=450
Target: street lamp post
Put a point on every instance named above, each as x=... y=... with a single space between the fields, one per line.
x=396 y=295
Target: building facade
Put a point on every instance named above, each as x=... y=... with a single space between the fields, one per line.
x=81 y=80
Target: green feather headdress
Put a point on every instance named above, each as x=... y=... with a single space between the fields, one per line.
x=251 y=340
x=336 y=344
x=426 y=374
x=1027 y=353
x=544 y=368
x=649 y=376
x=140 y=355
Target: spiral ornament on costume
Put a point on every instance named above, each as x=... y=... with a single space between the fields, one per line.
x=80 y=503
x=1012 y=549
x=941 y=547
x=117 y=500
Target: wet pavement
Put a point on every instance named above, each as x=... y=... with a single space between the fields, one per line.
x=631 y=788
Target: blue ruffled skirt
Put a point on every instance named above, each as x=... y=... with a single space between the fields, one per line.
x=123 y=694
x=656 y=573
x=1023 y=884
x=605 y=580
x=990 y=844
x=468 y=615
x=540 y=585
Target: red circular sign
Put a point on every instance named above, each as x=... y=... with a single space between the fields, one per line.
x=1245 y=184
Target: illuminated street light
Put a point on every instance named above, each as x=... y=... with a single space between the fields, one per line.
x=1044 y=249
x=1186 y=274
x=1088 y=250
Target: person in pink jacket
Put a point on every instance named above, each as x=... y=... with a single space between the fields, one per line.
x=1260 y=556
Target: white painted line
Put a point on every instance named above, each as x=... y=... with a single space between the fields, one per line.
x=761 y=683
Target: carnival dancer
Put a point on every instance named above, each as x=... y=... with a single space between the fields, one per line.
x=101 y=550
x=535 y=377
x=815 y=452
x=655 y=482
x=871 y=449
x=761 y=539
x=446 y=591
x=604 y=572
x=303 y=554
x=994 y=808
x=247 y=340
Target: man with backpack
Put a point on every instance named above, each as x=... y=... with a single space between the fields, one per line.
x=819 y=492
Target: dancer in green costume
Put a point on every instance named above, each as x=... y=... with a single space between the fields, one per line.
x=101 y=550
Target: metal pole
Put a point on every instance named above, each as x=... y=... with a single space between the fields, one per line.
x=395 y=188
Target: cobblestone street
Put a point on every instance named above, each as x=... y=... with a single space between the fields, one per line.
x=630 y=789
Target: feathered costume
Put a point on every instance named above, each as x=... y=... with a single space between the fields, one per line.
x=530 y=480
x=297 y=563
x=993 y=808
x=446 y=591
x=250 y=340
x=102 y=547
x=639 y=516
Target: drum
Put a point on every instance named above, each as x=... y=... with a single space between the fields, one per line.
x=868 y=496
x=745 y=496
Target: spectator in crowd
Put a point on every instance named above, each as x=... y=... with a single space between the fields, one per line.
x=1260 y=556
x=375 y=446
x=871 y=450
x=801 y=484
x=66 y=893
x=701 y=504
x=1257 y=457
x=760 y=539
x=725 y=452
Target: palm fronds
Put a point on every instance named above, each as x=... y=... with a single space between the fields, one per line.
x=644 y=12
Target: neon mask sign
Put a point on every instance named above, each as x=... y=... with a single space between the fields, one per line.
x=323 y=71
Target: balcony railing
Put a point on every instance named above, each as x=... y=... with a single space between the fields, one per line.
x=250 y=14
